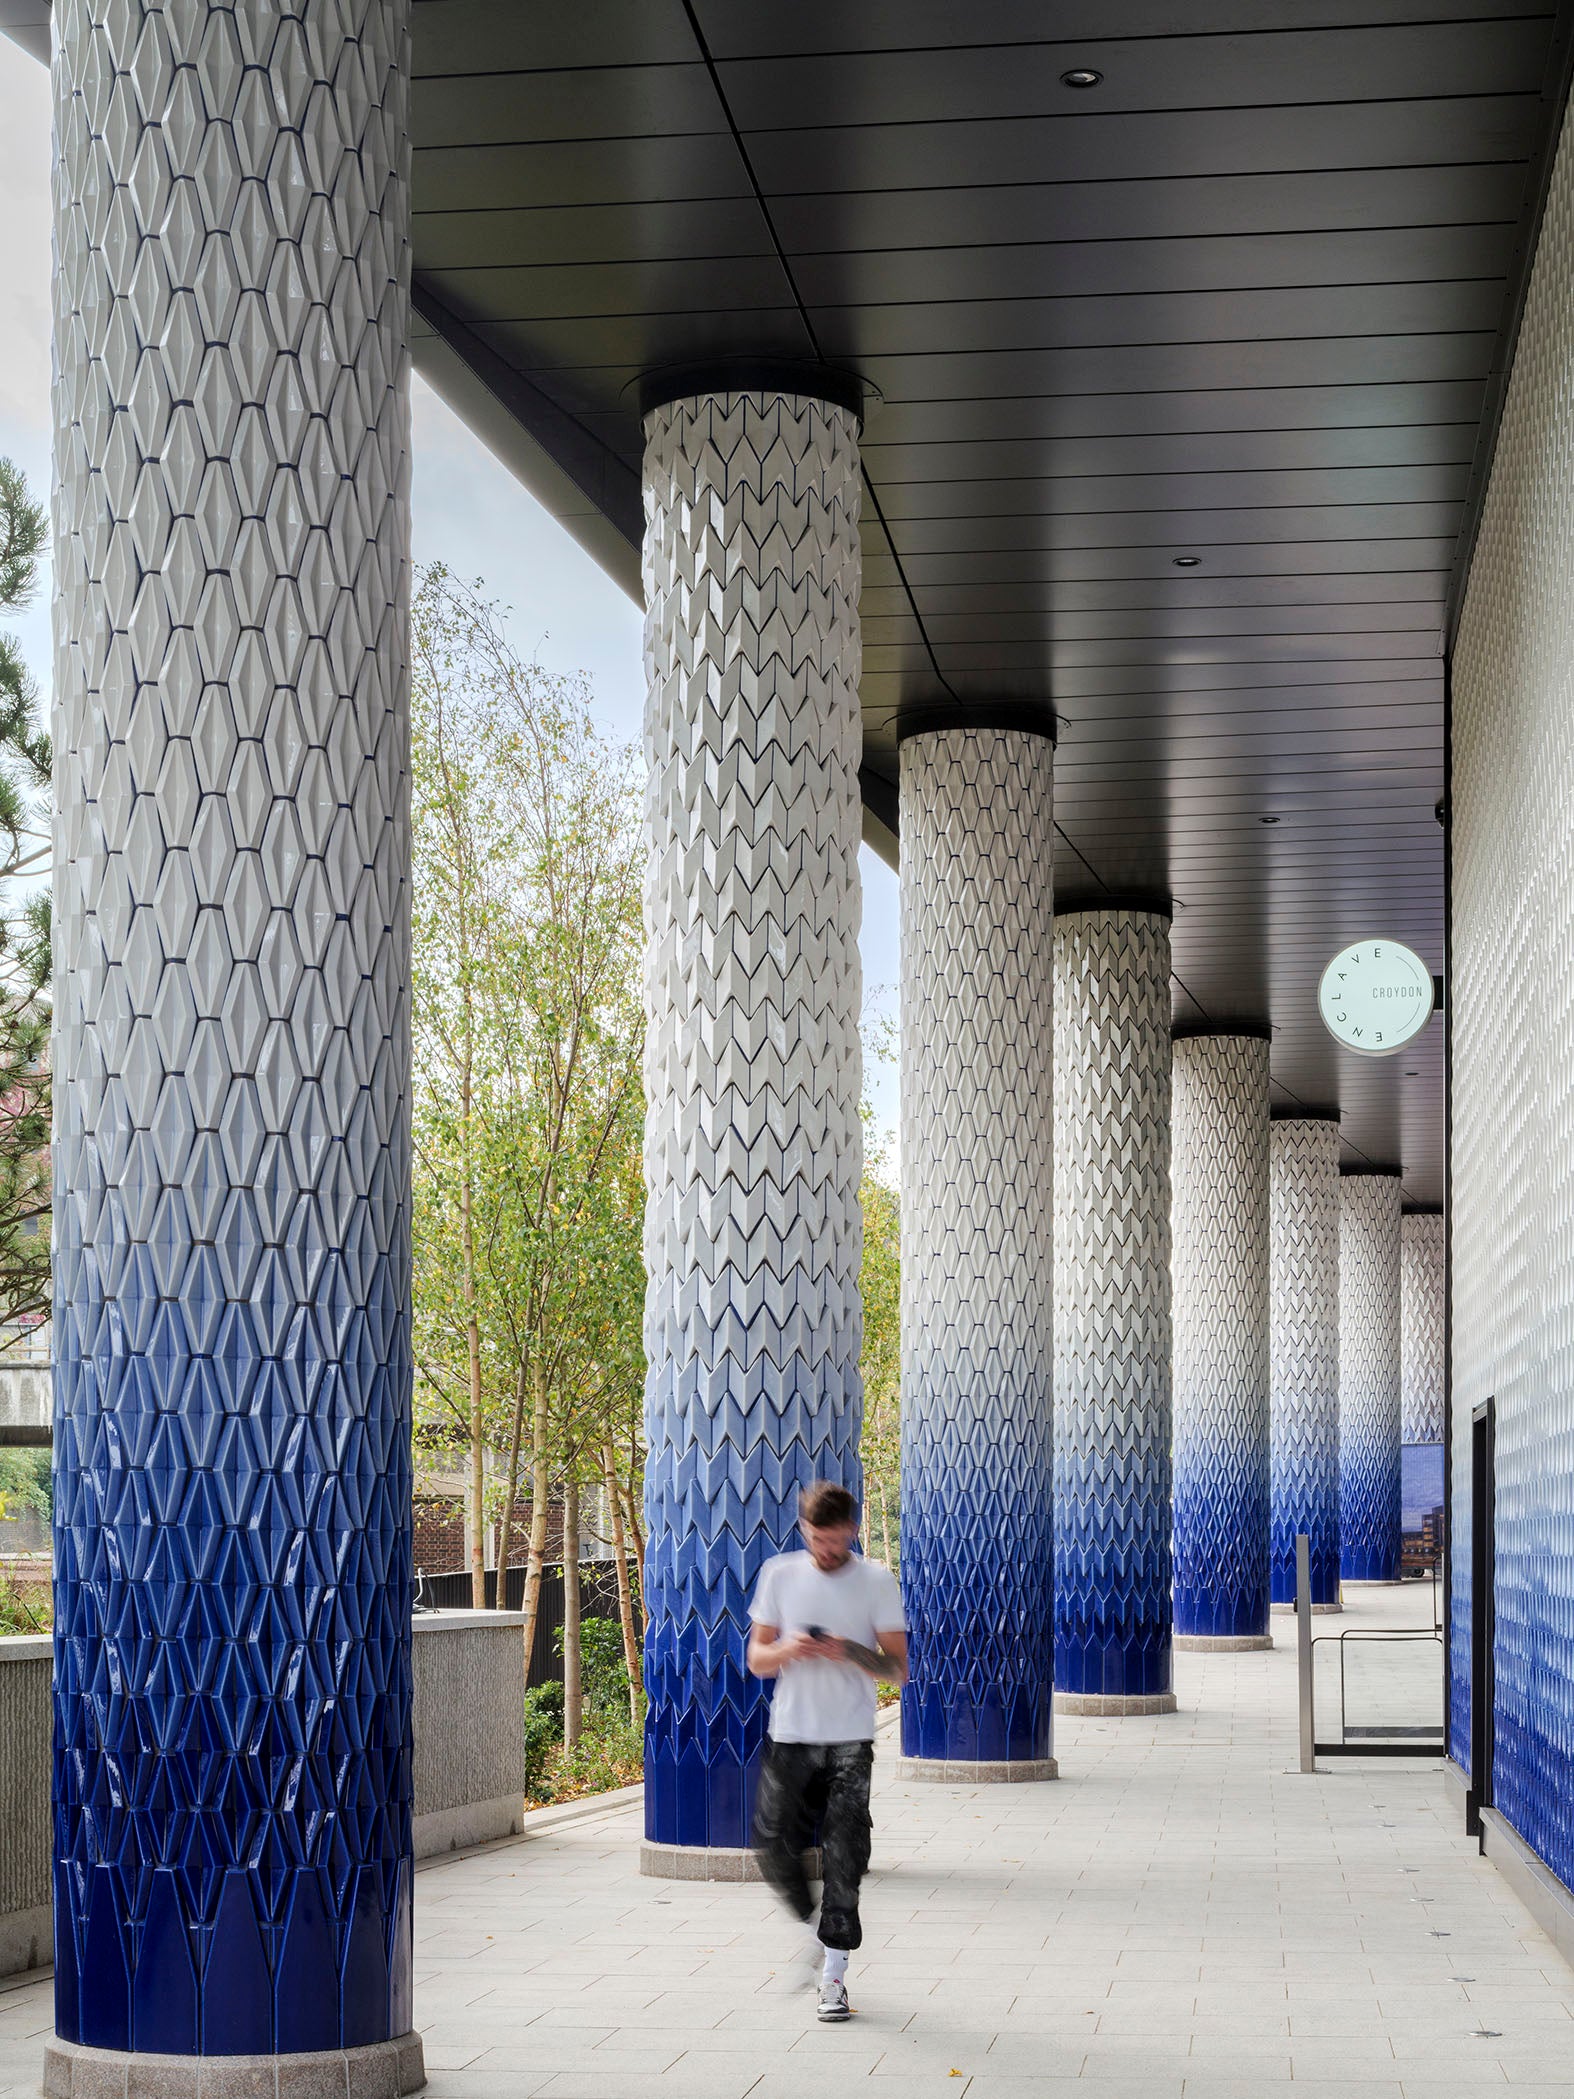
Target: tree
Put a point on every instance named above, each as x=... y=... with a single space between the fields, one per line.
x=880 y=1282
x=24 y=933
x=527 y=1100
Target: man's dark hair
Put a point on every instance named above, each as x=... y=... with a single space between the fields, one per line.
x=825 y=1505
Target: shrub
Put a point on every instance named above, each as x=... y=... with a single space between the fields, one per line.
x=543 y=1735
x=611 y=1748
x=24 y=1610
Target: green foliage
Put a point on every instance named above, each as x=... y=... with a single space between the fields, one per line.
x=528 y=1039
x=25 y=1608
x=880 y=1281
x=26 y=1484
x=543 y=1736
x=606 y=1757
x=606 y=1677
x=611 y=1748
x=24 y=931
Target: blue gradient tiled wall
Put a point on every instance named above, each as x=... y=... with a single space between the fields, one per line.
x=1304 y=1353
x=1369 y=1377
x=753 y=1145
x=1220 y=1239
x=1113 y=1576
x=1512 y=799
x=977 y=1225
x=232 y=1819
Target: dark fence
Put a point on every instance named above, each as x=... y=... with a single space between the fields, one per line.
x=598 y=1598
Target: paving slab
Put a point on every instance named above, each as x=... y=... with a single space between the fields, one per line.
x=1182 y=1915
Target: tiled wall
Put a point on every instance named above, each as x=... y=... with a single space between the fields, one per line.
x=1113 y=1609
x=1513 y=1074
x=753 y=1145
x=1421 y=1255
x=977 y=1233
x=1220 y=1252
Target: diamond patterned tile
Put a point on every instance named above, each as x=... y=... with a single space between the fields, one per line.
x=1513 y=1045
x=1112 y=1304
x=1220 y=1234
x=977 y=1232
x=1422 y=1251
x=1369 y=1377
x=232 y=1762
x=753 y=1145
x=1304 y=1352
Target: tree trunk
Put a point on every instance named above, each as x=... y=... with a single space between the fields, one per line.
x=620 y=1557
x=885 y=1520
x=477 y=1496
x=505 y=1532
x=573 y=1678
x=539 y=1425
x=472 y=1317
x=636 y=1539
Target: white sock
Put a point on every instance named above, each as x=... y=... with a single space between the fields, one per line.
x=835 y=1969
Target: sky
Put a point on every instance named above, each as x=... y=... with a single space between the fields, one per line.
x=468 y=511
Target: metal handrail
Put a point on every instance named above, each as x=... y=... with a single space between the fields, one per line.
x=1409 y=1745
x=1306 y=1641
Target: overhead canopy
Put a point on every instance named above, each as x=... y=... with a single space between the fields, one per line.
x=1181 y=389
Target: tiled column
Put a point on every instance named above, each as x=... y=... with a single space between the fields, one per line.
x=1421 y=1259
x=232 y=1366
x=1303 y=1299
x=1220 y=1233
x=1369 y=1377
x=1112 y=1312
x=753 y=1144
x=977 y=1263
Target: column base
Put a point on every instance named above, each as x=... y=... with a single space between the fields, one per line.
x=385 y=2070
x=949 y=1771
x=1319 y=1610
x=1100 y=1705
x=1222 y=1643
x=696 y=1862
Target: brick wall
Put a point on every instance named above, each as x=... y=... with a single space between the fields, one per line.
x=440 y=1533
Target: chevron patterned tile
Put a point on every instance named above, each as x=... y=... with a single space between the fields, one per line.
x=1304 y=1353
x=1421 y=1256
x=977 y=1227
x=1512 y=1163
x=1112 y=1306
x=1369 y=1377
x=232 y=1376
x=753 y=1145
x=1220 y=1235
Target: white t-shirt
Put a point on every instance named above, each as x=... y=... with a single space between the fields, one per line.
x=818 y=1700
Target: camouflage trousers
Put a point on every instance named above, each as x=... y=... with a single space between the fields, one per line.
x=826 y=1783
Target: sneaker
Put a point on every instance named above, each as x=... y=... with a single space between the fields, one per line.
x=833 y=2001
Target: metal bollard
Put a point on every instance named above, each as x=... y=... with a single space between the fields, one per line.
x=1303 y=1647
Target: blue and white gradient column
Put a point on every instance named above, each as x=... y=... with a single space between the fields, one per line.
x=232 y=1770
x=1422 y=1260
x=753 y=1146
x=1220 y=1235
x=977 y=830
x=1369 y=1542
x=1113 y=1608
x=1303 y=1296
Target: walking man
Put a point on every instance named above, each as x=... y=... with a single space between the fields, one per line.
x=825 y=1623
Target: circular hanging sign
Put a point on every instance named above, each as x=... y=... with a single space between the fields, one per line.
x=1375 y=997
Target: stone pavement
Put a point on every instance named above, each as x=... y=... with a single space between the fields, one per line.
x=1181 y=1916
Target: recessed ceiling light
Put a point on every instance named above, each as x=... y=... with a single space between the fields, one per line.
x=1187 y=561
x=1269 y=819
x=1081 y=76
